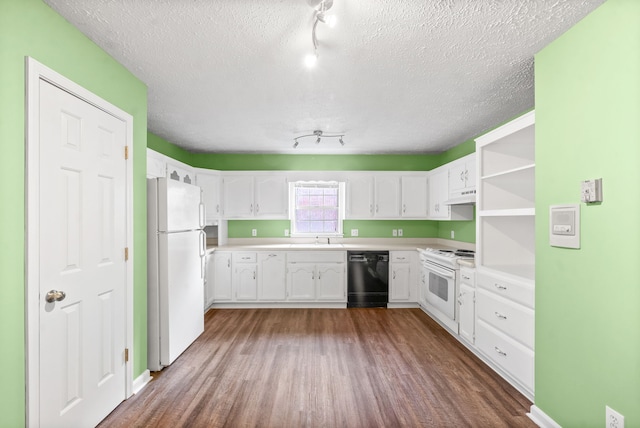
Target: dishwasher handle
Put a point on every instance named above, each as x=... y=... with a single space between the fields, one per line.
x=357 y=258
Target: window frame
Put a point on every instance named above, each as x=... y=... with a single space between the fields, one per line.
x=316 y=183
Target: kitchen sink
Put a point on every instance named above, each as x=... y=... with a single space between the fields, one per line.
x=316 y=246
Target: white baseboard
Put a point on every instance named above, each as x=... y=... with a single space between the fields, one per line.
x=141 y=381
x=541 y=418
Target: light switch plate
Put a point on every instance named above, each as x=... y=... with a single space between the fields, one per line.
x=354 y=232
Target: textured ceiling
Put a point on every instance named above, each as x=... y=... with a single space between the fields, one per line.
x=395 y=76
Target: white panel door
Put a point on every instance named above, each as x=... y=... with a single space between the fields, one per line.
x=82 y=238
x=181 y=290
x=301 y=281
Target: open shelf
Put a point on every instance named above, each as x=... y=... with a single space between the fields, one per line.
x=515 y=212
x=508 y=153
x=527 y=272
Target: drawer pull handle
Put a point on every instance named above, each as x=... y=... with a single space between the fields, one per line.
x=500 y=287
x=499 y=315
x=466 y=277
x=500 y=351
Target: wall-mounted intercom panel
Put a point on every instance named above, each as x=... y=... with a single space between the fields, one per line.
x=564 y=226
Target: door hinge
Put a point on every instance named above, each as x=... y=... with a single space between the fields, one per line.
x=126 y=355
x=126 y=254
x=126 y=152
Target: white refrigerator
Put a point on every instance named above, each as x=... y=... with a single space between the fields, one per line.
x=175 y=269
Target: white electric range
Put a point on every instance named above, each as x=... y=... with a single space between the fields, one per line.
x=440 y=282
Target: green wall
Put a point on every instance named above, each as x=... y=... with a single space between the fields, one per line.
x=464 y=230
x=30 y=28
x=587 y=300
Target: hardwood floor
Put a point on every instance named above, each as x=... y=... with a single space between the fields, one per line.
x=324 y=368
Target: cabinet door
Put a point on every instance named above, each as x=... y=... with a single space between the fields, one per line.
x=331 y=282
x=470 y=174
x=399 y=282
x=237 y=196
x=271 y=276
x=301 y=281
x=438 y=192
x=156 y=165
x=245 y=282
x=414 y=196
x=209 y=278
x=457 y=176
x=271 y=197
x=360 y=197
x=387 y=197
x=467 y=308
x=210 y=185
x=222 y=287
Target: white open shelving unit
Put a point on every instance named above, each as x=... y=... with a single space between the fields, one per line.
x=505 y=256
x=506 y=198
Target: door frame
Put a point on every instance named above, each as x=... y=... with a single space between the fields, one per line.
x=36 y=71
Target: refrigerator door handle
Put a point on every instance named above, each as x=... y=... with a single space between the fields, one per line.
x=203 y=252
x=201 y=217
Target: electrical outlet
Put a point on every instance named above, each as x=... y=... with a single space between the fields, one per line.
x=614 y=419
x=399 y=232
x=354 y=232
x=254 y=232
x=286 y=232
x=394 y=232
x=453 y=234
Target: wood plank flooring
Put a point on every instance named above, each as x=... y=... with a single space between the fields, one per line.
x=324 y=368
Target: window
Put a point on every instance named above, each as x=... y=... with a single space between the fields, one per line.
x=316 y=208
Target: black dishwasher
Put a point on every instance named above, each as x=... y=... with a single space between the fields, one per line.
x=368 y=279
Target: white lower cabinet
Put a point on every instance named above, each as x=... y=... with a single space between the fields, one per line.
x=221 y=277
x=331 y=282
x=209 y=283
x=272 y=276
x=244 y=278
x=505 y=325
x=403 y=274
x=467 y=305
x=317 y=276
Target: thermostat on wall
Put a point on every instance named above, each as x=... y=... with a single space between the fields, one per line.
x=564 y=226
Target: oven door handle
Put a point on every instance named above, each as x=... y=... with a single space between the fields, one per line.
x=441 y=272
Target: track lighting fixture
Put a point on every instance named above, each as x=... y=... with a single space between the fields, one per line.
x=319 y=135
x=320 y=14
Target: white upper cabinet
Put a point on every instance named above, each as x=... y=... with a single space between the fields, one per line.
x=360 y=202
x=439 y=195
x=156 y=164
x=387 y=197
x=414 y=196
x=209 y=182
x=271 y=196
x=237 y=193
x=255 y=196
x=462 y=179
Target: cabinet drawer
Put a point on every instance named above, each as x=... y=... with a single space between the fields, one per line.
x=514 y=358
x=244 y=257
x=468 y=276
x=511 y=318
x=401 y=256
x=510 y=288
x=317 y=257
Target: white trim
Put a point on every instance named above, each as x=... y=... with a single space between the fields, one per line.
x=541 y=419
x=141 y=381
x=35 y=71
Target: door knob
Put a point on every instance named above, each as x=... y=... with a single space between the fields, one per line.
x=55 y=295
